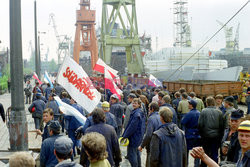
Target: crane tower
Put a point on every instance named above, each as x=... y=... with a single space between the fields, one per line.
x=85 y=36
x=126 y=37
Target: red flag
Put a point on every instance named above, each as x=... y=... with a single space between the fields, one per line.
x=36 y=77
x=100 y=66
x=110 y=84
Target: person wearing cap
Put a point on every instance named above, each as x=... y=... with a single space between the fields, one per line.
x=38 y=105
x=200 y=104
x=166 y=103
x=99 y=126
x=190 y=124
x=168 y=144
x=117 y=110
x=211 y=129
x=153 y=124
x=47 y=156
x=109 y=117
x=230 y=144
x=228 y=103
x=63 y=152
x=48 y=116
x=134 y=132
x=244 y=139
x=54 y=106
x=129 y=109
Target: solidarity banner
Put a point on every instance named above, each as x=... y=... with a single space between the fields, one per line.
x=74 y=79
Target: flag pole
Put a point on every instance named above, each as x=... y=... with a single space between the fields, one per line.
x=104 y=86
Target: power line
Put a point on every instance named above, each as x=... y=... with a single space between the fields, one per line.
x=210 y=38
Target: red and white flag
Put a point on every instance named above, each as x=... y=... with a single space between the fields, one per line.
x=36 y=77
x=110 y=84
x=100 y=66
x=152 y=81
x=75 y=80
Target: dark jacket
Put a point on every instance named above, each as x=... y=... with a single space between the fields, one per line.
x=190 y=122
x=47 y=92
x=245 y=162
x=66 y=100
x=39 y=107
x=152 y=125
x=234 y=147
x=168 y=147
x=45 y=134
x=117 y=110
x=47 y=156
x=53 y=105
x=2 y=112
x=110 y=120
x=176 y=103
x=113 y=149
x=174 y=120
x=211 y=123
x=135 y=128
x=89 y=122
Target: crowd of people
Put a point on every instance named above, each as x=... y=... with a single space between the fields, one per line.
x=169 y=126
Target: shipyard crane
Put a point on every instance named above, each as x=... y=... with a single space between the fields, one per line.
x=236 y=39
x=229 y=36
x=63 y=45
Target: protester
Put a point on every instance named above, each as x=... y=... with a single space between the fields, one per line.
x=48 y=91
x=126 y=92
x=168 y=144
x=230 y=143
x=198 y=152
x=47 y=156
x=166 y=103
x=48 y=115
x=95 y=146
x=156 y=98
x=200 y=104
x=36 y=108
x=28 y=92
x=109 y=117
x=183 y=107
x=211 y=128
x=21 y=159
x=153 y=124
x=63 y=122
x=134 y=132
x=2 y=112
x=114 y=153
x=63 y=151
x=219 y=104
x=190 y=123
x=54 y=106
x=228 y=103
x=129 y=109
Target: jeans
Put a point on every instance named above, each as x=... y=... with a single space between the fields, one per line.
x=37 y=122
x=28 y=99
x=134 y=156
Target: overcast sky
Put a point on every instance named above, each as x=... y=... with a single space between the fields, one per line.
x=154 y=17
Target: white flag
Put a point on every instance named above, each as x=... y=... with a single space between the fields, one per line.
x=75 y=80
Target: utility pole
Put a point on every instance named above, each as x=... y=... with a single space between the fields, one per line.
x=18 y=128
x=37 y=59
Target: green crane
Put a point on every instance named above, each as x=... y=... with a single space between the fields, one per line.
x=126 y=37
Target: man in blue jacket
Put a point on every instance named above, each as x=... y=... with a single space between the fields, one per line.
x=117 y=110
x=47 y=156
x=168 y=144
x=113 y=149
x=190 y=124
x=153 y=124
x=134 y=132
